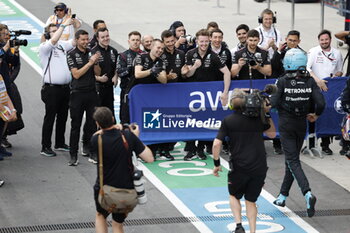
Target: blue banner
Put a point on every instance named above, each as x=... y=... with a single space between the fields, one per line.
x=329 y=123
x=193 y=111
x=181 y=111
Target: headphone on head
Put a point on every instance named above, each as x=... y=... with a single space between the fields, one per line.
x=47 y=35
x=61 y=5
x=260 y=18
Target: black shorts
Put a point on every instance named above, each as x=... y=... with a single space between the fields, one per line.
x=240 y=184
x=116 y=217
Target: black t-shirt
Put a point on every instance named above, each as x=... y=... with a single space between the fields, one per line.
x=117 y=161
x=174 y=62
x=107 y=61
x=208 y=71
x=260 y=55
x=78 y=59
x=226 y=58
x=246 y=142
x=125 y=67
x=146 y=62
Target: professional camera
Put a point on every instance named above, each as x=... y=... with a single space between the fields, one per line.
x=140 y=189
x=255 y=101
x=190 y=39
x=16 y=42
x=253 y=60
x=128 y=127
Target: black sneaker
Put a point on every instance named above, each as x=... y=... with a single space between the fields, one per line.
x=190 y=155
x=5 y=143
x=2 y=183
x=343 y=150
x=347 y=154
x=201 y=155
x=311 y=202
x=93 y=158
x=166 y=155
x=277 y=150
x=86 y=150
x=48 y=152
x=239 y=229
x=73 y=160
x=62 y=148
x=326 y=150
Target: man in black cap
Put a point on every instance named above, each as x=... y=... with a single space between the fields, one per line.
x=61 y=14
x=179 y=31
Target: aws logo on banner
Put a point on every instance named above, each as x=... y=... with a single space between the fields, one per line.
x=151 y=120
x=200 y=98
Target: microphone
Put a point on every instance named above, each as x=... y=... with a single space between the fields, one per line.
x=270 y=89
x=24 y=32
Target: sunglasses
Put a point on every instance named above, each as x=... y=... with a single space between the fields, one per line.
x=59 y=10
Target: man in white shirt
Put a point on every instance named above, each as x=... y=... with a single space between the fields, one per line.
x=324 y=61
x=55 y=90
x=61 y=14
x=270 y=37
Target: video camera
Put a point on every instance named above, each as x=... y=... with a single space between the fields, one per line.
x=16 y=42
x=256 y=100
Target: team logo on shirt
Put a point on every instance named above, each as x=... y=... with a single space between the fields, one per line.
x=293 y=83
x=207 y=61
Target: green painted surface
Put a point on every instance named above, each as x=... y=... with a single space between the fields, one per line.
x=176 y=181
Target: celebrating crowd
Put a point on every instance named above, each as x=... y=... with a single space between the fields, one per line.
x=80 y=72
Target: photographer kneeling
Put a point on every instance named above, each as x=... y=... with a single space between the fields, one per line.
x=118 y=170
x=248 y=166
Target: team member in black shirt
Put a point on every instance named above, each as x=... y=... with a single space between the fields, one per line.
x=96 y=25
x=220 y=48
x=83 y=97
x=251 y=61
x=297 y=95
x=149 y=67
x=248 y=166
x=107 y=63
x=125 y=70
x=174 y=59
x=202 y=65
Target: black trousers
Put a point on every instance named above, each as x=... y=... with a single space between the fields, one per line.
x=124 y=115
x=191 y=145
x=292 y=133
x=56 y=99
x=81 y=102
x=105 y=96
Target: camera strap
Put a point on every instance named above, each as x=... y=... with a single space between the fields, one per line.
x=100 y=157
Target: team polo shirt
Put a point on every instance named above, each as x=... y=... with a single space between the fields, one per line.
x=208 y=71
x=107 y=61
x=260 y=55
x=324 y=64
x=147 y=63
x=265 y=35
x=78 y=59
x=173 y=61
x=57 y=71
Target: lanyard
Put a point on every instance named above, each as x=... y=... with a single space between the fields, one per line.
x=328 y=57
